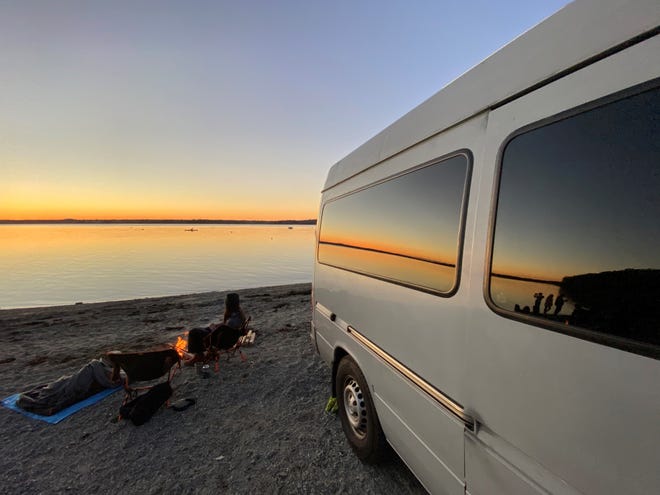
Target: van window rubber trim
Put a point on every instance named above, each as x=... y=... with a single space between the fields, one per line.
x=460 y=244
x=608 y=340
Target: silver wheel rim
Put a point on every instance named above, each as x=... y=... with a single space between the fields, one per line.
x=355 y=407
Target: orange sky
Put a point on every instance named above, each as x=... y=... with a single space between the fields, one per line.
x=84 y=202
x=222 y=112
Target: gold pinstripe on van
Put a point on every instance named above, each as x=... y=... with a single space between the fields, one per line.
x=453 y=407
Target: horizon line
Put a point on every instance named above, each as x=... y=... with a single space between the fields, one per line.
x=309 y=221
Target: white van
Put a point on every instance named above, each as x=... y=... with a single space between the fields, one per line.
x=487 y=275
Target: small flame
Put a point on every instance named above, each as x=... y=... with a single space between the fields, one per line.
x=181 y=345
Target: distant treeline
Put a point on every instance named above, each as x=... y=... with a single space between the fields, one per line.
x=525 y=279
x=174 y=222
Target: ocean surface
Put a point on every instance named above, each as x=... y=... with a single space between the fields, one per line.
x=47 y=265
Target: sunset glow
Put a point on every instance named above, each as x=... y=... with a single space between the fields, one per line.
x=48 y=203
x=214 y=110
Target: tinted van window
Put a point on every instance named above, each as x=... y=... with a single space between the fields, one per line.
x=577 y=231
x=405 y=230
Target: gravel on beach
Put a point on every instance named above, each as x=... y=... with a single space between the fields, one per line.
x=257 y=426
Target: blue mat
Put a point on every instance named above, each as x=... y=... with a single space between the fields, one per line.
x=10 y=403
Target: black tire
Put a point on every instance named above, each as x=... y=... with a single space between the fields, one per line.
x=358 y=415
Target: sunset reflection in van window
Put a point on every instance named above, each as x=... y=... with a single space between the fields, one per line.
x=577 y=232
x=405 y=229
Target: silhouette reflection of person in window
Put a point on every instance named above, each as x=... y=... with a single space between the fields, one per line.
x=538 y=297
x=548 y=304
x=559 y=303
x=526 y=310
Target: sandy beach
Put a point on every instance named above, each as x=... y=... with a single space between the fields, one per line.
x=258 y=426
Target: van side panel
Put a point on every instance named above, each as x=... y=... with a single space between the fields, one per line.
x=490 y=474
x=426 y=451
x=422 y=331
x=431 y=439
x=585 y=411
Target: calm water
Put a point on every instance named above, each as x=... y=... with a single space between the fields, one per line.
x=43 y=265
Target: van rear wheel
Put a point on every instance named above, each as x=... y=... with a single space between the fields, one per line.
x=358 y=415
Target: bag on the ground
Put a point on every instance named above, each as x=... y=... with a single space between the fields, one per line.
x=139 y=410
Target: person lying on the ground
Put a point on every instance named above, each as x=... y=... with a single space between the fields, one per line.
x=50 y=398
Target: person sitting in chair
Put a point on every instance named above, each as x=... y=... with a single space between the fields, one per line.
x=199 y=339
x=234 y=316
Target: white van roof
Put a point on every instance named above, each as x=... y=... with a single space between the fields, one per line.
x=568 y=39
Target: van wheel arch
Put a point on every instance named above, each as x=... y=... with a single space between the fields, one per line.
x=338 y=356
x=357 y=412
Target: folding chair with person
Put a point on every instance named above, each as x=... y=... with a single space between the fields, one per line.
x=208 y=343
x=145 y=366
x=227 y=340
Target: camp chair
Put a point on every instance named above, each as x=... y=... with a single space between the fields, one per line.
x=145 y=366
x=227 y=340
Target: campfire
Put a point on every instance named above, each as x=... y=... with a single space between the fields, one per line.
x=181 y=345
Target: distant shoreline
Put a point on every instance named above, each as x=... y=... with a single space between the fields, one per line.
x=69 y=221
x=524 y=279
